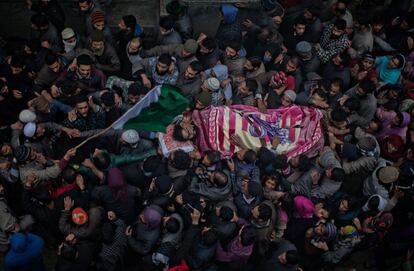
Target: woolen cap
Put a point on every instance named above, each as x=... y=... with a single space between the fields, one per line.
x=130 y=136
x=97 y=16
x=388 y=174
x=79 y=216
x=27 y=116
x=22 y=153
x=191 y=46
x=67 y=33
x=290 y=94
x=29 y=129
x=304 y=49
x=212 y=84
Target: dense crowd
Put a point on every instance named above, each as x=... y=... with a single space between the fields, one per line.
x=172 y=198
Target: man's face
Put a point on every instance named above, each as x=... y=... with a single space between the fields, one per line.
x=99 y=25
x=294 y=162
x=16 y=70
x=97 y=45
x=133 y=98
x=84 y=70
x=122 y=26
x=190 y=73
x=54 y=67
x=243 y=89
x=334 y=90
x=6 y=149
x=290 y=67
x=367 y=64
x=82 y=109
x=230 y=52
x=4 y=90
x=336 y=33
x=185 y=53
x=162 y=68
x=244 y=187
x=282 y=258
x=320 y=229
x=84 y=6
x=134 y=46
x=394 y=63
x=300 y=29
x=277 y=19
x=307 y=15
x=286 y=101
x=71 y=40
x=248 y=67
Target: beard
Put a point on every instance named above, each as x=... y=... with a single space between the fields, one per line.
x=161 y=73
x=98 y=52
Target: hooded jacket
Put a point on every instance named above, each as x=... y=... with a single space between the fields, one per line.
x=385 y=74
x=388 y=128
x=229 y=28
x=25 y=253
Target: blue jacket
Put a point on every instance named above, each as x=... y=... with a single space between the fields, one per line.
x=229 y=13
x=25 y=253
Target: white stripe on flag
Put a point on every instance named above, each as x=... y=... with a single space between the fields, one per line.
x=151 y=97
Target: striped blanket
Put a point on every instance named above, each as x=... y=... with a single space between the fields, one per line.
x=297 y=127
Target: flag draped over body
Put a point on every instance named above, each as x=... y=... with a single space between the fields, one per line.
x=155 y=111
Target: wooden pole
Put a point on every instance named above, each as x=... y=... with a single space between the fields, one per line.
x=94 y=136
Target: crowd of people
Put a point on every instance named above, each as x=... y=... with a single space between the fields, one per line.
x=142 y=199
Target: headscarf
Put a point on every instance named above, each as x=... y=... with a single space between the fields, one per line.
x=117 y=184
x=303 y=207
x=152 y=217
x=397 y=142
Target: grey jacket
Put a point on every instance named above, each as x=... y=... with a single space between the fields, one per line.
x=367 y=110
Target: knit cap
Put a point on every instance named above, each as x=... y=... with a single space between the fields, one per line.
x=304 y=49
x=164 y=184
x=330 y=231
x=130 y=136
x=204 y=97
x=27 y=116
x=97 y=16
x=67 y=33
x=290 y=94
x=22 y=153
x=79 y=216
x=279 y=79
x=191 y=46
x=29 y=129
x=212 y=84
x=366 y=144
x=97 y=36
x=388 y=174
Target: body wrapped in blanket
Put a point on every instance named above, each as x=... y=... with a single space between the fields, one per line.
x=297 y=127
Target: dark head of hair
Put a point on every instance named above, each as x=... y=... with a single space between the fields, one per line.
x=252 y=85
x=220 y=179
x=196 y=66
x=338 y=82
x=304 y=163
x=339 y=115
x=213 y=156
x=235 y=45
x=346 y=59
x=255 y=61
x=178 y=133
x=102 y=160
x=250 y=157
x=33 y=44
x=265 y=156
x=353 y=104
x=51 y=58
x=167 y=22
x=226 y=213
x=173 y=225
x=280 y=161
x=373 y=203
x=83 y=1
x=292 y=257
x=321 y=93
x=165 y=59
x=248 y=236
x=181 y=160
x=340 y=24
x=129 y=21
x=401 y=60
x=209 y=237
x=68 y=251
x=353 y=202
x=363 y=21
x=17 y=61
x=392 y=105
x=151 y=163
x=137 y=88
x=69 y=175
x=80 y=99
x=39 y=20
x=209 y=43
x=314 y=10
x=338 y=174
x=84 y=59
x=265 y=212
x=294 y=60
x=43 y=195
x=300 y=20
x=367 y=85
